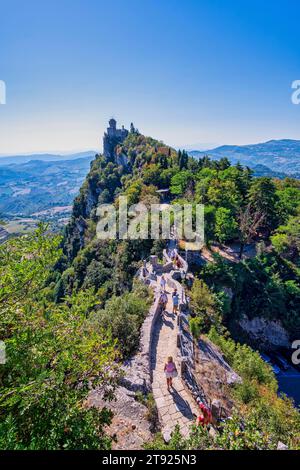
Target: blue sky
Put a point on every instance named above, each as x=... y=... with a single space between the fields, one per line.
x=192 y=73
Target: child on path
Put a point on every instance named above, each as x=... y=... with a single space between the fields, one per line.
x=170 y=371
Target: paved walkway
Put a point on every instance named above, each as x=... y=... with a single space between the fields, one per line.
x=176 y=406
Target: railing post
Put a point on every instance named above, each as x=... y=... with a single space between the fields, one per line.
x=183 y=366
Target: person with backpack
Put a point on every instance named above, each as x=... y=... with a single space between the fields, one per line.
x=163 y=300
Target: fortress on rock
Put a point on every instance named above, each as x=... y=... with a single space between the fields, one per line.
x=113 y=137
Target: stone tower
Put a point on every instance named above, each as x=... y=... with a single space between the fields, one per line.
x=113 y=137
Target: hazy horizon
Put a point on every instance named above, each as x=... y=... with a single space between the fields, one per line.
x=188 y=147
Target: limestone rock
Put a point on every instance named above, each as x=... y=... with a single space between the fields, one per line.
x=215 y=408
x=167 y=435
x=282 y=446
x=269 y=333
x=233 y=378
x=129 y=424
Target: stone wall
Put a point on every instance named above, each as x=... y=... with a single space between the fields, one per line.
x=137 y=370
x=187 y=354
x=185 y=340
x=184 y=264
x=186 y=350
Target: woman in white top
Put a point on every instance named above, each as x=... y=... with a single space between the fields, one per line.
x=163 y=283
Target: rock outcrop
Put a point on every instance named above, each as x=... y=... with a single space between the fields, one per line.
x=215 y=376
x=267 y=334
x=130 y=427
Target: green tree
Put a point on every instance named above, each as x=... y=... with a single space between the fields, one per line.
x=203 y=306
x=288 y=203
x=54 y=356
x=180 y=182
x=209 y=223
x=264 y=200
x=123 y=316
x=183 y=160
x=224 y=193
x=225 y=226
x=286 y=239
x=249 y=222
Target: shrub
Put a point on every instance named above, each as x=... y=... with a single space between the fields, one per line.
x=204 y=307
x=124 y=316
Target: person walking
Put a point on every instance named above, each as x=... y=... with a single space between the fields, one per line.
x=206 y=417
x=176 y=261
x=170 y=370
x=163 y=300
x=163 y=283
x=175 y=300
x=144 y=269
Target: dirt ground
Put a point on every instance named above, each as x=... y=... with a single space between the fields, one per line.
x=230 y=252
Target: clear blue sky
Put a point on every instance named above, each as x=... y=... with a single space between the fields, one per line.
x=188 y=72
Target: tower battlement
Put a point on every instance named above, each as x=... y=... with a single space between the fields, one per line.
x=113 y=137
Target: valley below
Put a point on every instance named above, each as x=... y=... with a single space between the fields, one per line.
x=39 y=188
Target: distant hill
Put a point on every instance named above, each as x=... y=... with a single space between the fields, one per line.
x=36 y=185
x=262 y=170
x=44 y=157
x=279 y=156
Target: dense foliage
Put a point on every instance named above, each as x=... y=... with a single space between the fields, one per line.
x=265 y=286
x=70 y=309
x=272 y=418
x=123 y=316
x=205 y=308
x=54 y=355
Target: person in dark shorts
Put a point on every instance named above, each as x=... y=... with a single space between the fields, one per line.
x=175 y=300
